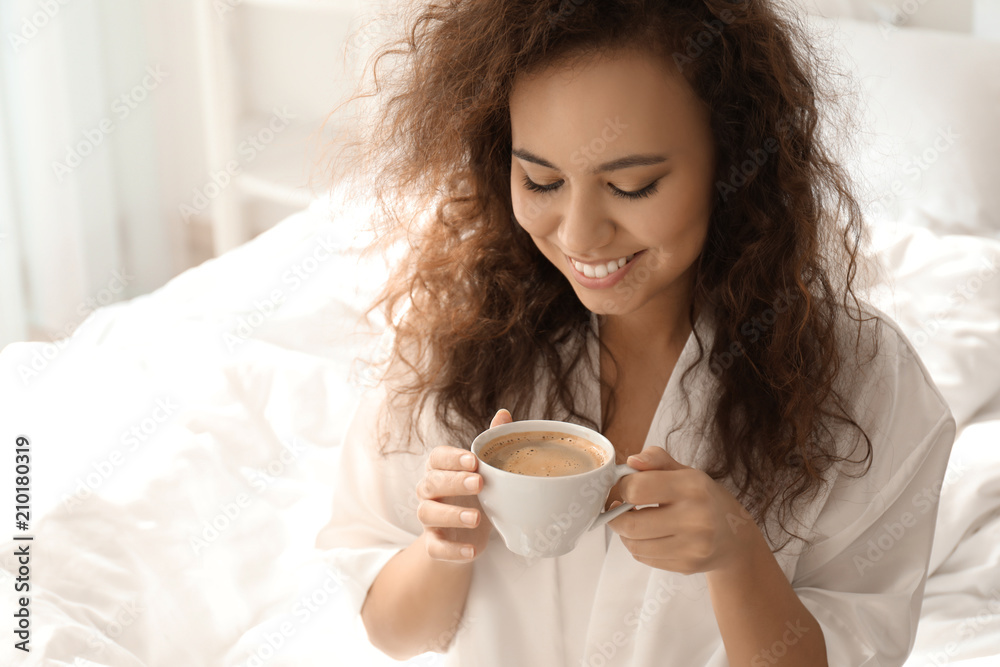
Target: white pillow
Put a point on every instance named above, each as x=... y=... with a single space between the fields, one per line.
x=927 y=150
x=944 y=291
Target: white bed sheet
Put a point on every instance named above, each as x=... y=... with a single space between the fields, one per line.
x=237 y=432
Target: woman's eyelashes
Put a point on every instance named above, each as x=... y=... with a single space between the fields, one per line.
x=638 y=194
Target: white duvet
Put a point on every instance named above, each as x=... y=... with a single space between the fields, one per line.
x=182 y=448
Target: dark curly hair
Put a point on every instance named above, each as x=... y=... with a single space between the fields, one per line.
x=478 y=309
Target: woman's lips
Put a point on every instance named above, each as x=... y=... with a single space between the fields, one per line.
x=605 y=282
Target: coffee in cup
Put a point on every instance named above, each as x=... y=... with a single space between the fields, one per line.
x=543 y=454
x=545 y=483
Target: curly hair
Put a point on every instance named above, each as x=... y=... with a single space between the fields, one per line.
x=478 y=310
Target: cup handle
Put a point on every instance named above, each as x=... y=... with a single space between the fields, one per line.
x=604 y=517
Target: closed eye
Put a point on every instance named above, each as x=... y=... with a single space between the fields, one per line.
x=623 y=194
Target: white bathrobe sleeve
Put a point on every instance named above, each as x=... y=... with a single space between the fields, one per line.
x=863 y=578
x=374 y=502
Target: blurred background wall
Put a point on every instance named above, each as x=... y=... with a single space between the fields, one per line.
x=141 y=137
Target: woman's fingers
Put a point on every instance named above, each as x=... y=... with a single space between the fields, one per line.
x=438 y=484
x=502 y=417
x=440 y=548
x=444 y=457
x=449 y=476
x=449 y=509
x=433 y=514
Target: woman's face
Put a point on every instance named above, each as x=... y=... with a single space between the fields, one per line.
x=611 y=175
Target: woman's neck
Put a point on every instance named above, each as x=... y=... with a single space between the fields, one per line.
x=646 y=334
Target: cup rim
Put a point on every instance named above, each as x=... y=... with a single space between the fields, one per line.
x=544 y=425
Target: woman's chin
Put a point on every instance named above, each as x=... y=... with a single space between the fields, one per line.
x=607 y=304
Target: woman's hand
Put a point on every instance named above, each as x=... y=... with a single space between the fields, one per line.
x=698 y=527
x=449 y=507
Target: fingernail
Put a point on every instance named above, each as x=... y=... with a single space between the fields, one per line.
x=471 y=483
x=468 y=460
x=467 y=552
x=468 y=517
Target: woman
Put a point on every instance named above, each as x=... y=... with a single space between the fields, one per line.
x=636 y=228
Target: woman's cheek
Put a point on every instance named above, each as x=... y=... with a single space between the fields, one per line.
x=526 y=213
x=517 y=204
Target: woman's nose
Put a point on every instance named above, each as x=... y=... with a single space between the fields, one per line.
x=584 y=227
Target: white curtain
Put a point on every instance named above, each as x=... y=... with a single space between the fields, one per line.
x=82 y=222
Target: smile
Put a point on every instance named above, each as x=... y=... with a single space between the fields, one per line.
x=601 y=274
x=603 y=269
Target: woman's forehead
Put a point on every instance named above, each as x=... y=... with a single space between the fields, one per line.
x=634 y=97
x=625 y=78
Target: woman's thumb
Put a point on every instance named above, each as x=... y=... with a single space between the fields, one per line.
x=654 y=458
x=502 y=417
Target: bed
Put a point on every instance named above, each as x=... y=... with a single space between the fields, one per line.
x=183 y=442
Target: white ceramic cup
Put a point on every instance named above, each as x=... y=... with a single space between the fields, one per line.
x=546 y=516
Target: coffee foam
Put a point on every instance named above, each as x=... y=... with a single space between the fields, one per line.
x=543 y=454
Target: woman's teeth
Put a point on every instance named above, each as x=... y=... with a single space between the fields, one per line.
x=602 y=270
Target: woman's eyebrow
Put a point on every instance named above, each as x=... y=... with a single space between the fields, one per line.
x=638 y=160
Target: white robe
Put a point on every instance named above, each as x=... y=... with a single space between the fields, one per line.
x=862 y=579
